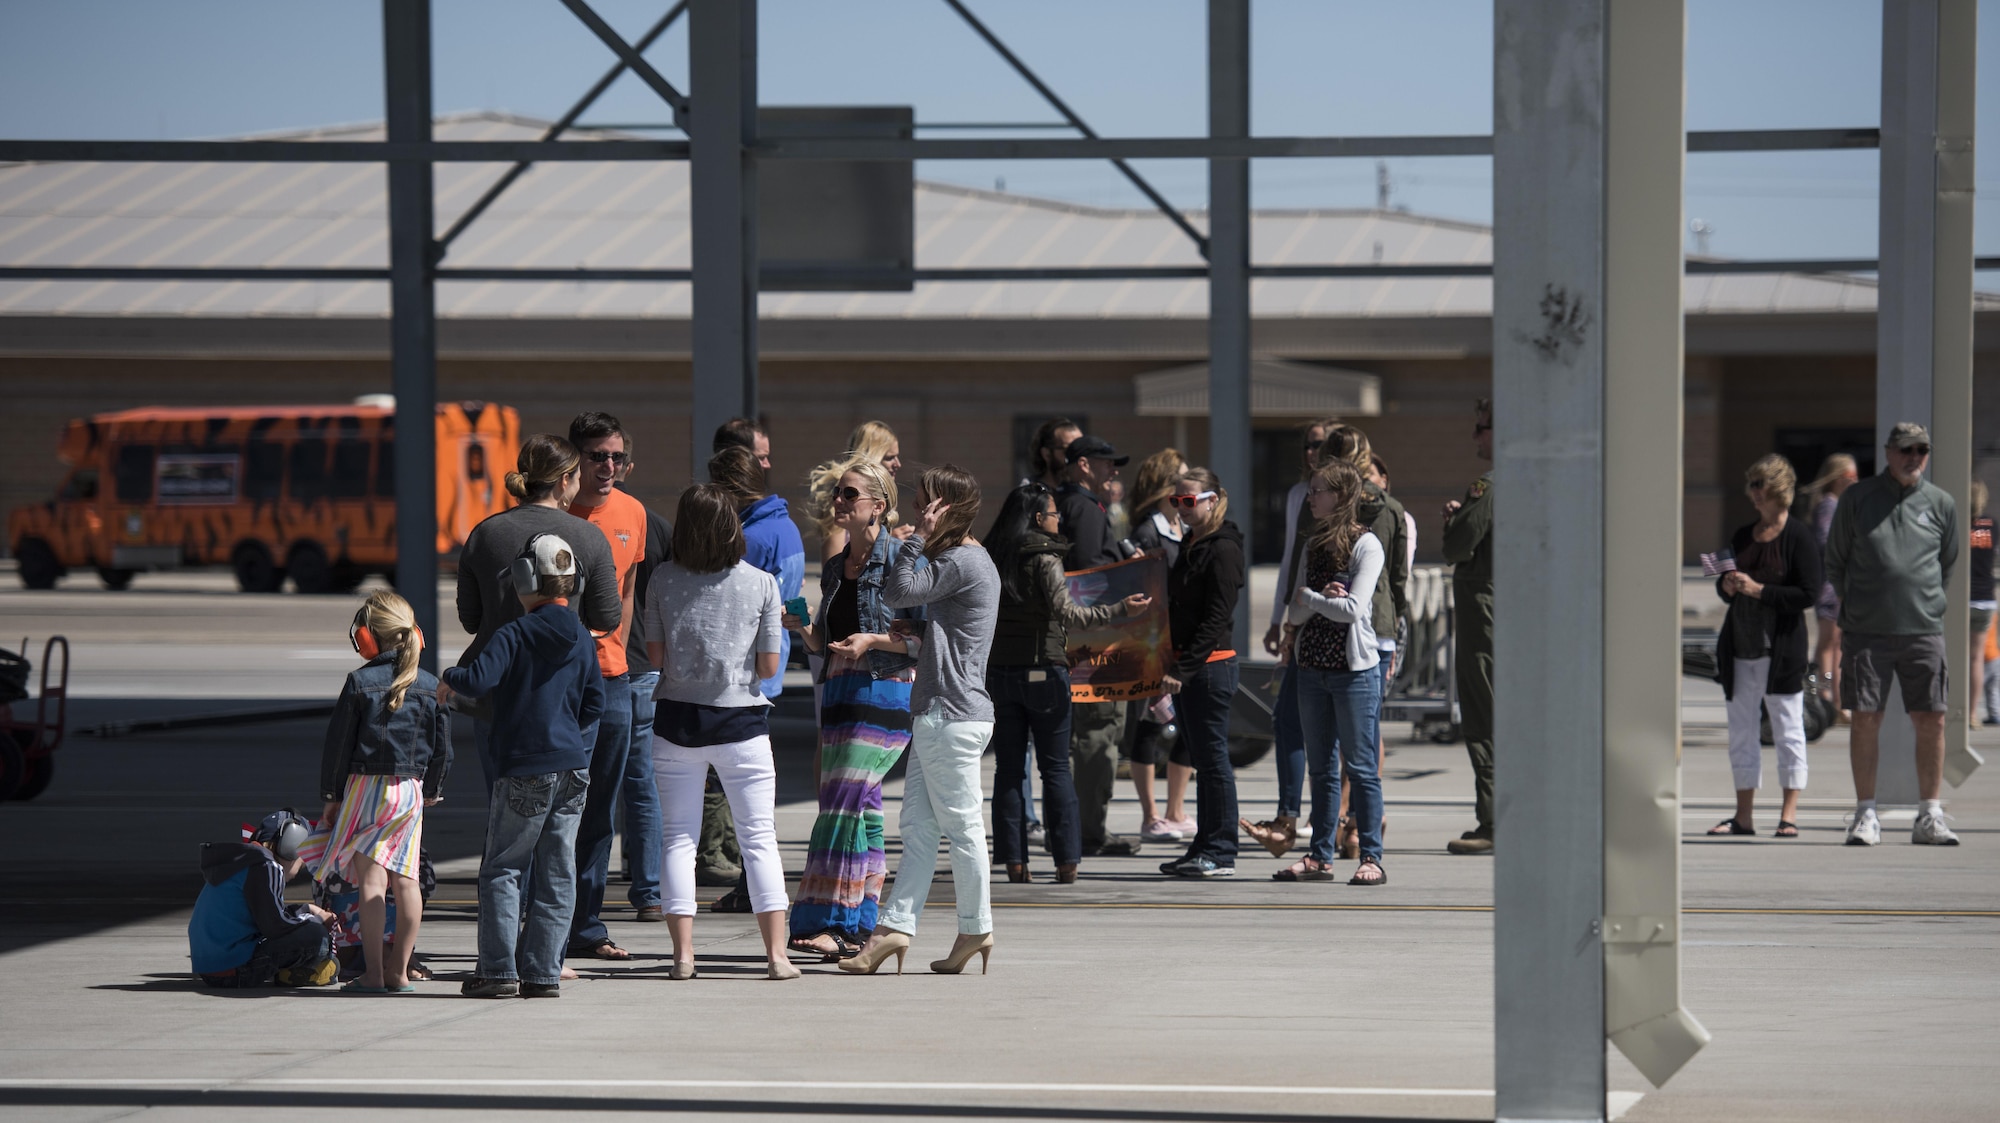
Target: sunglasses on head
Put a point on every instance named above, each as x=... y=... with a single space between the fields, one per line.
x=1189 y=501
x=600 y=456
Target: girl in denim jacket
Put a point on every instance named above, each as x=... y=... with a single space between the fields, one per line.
x=388 y=749
x=868 y=663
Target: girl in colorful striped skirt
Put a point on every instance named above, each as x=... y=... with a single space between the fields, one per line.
x=865 y=680
x=388 y=748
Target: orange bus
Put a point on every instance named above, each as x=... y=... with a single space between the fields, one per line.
x=306 y=492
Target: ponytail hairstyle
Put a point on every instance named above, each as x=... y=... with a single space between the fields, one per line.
x=545 y=459
x=1337 y=533
x=393 y=623
x=1206 y=480
x=736 y=471
x=960 y=492
x=1345 y=442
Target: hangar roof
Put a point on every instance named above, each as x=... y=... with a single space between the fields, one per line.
x=615 y=214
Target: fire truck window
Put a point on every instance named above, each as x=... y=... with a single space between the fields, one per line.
x=350 y=468
x=263 y=471
x=385 y=469
x=134 y=474
x=80 y=487
x=309 y=480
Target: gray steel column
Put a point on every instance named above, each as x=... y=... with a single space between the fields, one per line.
x=406 y=48
x=1924 y=319
x=1229 y=269
x=722 y=48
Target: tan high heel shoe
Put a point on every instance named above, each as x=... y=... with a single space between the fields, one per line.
x=961 y=954
x=885 y=942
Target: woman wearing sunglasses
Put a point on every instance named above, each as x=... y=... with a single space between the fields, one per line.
x=1202 y=589
x=1028 y=677
x=867 y=662
x=1330 y=635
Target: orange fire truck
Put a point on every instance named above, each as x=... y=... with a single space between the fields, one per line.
x=301 y=491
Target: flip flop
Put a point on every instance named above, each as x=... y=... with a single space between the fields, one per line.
x=605 y=949
x=1786 y=829
x=1730 y=826
x=404 y=989
x=355 y=987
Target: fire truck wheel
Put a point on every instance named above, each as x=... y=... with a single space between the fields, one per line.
x=256 y=572
x=39 y=567
x=114 y=579
x=311 y=573
x=13 y=768
x=35 y=778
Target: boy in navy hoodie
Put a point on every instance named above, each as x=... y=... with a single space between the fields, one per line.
x=540 y=673
x=242 y=933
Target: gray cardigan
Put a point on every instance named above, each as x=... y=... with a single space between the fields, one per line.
x=961 y=590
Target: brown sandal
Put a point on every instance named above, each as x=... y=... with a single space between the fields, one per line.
x=1381 y=875
x=1278 y=835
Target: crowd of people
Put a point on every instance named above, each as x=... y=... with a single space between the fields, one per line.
x=623 y=667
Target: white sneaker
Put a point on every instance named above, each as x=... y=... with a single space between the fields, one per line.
x=1931 y=831
x=1864 y=830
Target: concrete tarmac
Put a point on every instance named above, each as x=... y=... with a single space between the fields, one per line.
x=1840 y=984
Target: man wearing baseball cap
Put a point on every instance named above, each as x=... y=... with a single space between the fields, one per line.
x=1096 y=728
x=1889 y=554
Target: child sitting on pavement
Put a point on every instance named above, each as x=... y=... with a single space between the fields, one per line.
x=242 y=933
x=541 y=676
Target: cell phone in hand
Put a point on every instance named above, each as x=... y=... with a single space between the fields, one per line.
x=797 y=607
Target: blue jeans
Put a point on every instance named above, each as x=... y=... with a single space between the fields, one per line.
x=641 y=798
x=1204 y=708
x=1039 y=710
x=593 y=834
x=1289 y=737
x=530 y=852
x=1341 y=712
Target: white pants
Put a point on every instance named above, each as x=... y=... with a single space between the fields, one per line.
x=941 y=799
x=751 y=782
x=1788 y=729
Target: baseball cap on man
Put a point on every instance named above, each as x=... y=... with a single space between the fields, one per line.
x=1908 y=433
x=1093 y=446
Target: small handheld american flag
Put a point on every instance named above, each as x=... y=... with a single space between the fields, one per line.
x=1715 y=565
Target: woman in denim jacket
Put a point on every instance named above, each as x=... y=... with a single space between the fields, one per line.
x=387 y=751
x=869 y=662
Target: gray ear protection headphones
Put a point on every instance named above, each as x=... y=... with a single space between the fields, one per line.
x=284 y=832
x=523 y=574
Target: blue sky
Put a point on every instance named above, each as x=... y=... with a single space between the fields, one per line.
x=207 y=68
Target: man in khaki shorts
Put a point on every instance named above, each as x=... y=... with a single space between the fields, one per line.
x=1894 y=538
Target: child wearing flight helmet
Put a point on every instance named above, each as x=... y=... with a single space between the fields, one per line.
x=243 y=934
x=388 y=749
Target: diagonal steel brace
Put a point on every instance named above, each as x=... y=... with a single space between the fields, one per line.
x=632 y=58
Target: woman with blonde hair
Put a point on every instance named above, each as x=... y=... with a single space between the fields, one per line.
x=871 y=440
x=1836 y=474
x=1760 y=654
x=1158 y=530
x=865 y=664
x=960 y=588
x=385 y=758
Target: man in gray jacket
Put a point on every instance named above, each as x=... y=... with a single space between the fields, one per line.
x=1895 y=536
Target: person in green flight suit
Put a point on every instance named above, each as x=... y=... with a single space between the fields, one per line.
x=1468 y=546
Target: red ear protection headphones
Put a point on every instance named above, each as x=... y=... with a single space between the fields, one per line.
x=364 y=641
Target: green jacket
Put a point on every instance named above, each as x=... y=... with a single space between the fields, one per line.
x=1889 y=555
x=1383 y=516
x=1468 y=537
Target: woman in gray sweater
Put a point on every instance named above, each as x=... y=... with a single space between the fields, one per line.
x=960 y=590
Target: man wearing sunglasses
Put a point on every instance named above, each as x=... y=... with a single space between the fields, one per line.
x=1468 y=546
x=1096 y=728
x=1888 y=556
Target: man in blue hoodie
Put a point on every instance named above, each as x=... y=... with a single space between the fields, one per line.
x=242 y=933
x=540 y=671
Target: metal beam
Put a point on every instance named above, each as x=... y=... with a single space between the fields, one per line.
x=631 y=57
x=723 y=47
x=406 y=49
x=1076 y=122
x=1924 y=322
x=1229 y=263
x=562 y=125
x=861 y=148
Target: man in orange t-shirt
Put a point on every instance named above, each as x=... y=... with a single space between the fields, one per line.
x=601 y=440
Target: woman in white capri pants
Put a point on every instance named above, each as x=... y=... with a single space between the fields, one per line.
x=713 y=625
x=1760 y=656
x=953 y=721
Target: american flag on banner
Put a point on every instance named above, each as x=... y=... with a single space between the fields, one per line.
x=1715 y=565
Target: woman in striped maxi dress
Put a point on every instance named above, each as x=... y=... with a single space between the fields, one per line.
x=869 y=664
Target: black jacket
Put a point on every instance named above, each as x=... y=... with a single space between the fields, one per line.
x=1202 y=589
x=1086 y=527
x=1790 y=596
x=366 y=738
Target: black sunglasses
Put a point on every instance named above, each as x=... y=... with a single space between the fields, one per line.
x=850 y=494
x=600 y=456
x=1918 y=450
